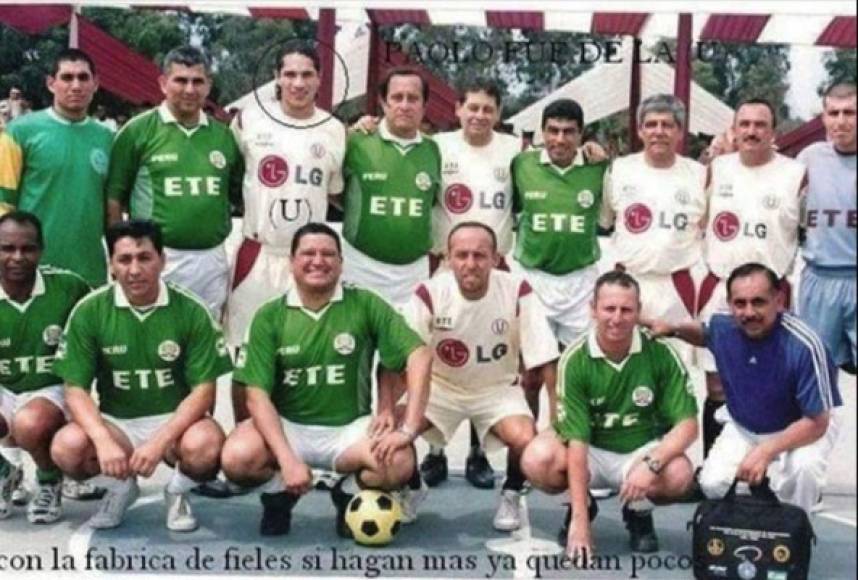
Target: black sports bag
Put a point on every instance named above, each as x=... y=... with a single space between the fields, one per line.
x=751 y=537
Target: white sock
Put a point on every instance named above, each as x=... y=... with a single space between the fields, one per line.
x=350 y=484
x=435 y=450
x=273 y=485
x=13 y=455
x=180 y=483
x=643 y=505
x=111 y=483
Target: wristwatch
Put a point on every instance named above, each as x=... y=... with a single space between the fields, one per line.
x=654 y=464
x=408 y=432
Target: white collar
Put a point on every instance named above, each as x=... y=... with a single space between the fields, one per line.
x=577 y=161
x=384 y=133
x=38 y=290
x=293 y=300
x=120 y=300
x=597 y=352
x=60 y=119
x=167 y=117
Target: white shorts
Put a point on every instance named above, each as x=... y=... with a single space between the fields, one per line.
x=203 y=272
x=609 y=469
x=796 y=476
x=486 y=408
x=394 y=282
x=11 y=403
x=320 y=446
x=566 y=299
x=261 y=273
x=141 y=429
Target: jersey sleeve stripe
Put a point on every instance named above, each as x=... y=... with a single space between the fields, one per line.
x=423 y=293
x=817 y=353
x=561 y=367
x=523 y=290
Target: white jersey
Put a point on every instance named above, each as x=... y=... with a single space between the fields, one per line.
x=658 y=213
x=291 y=165
x=475 y=186
x=753 y=214
x=476 y=343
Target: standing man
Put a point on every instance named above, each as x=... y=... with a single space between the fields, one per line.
x=479 y=320
x=754 y=207
x=35 y=303
x=176 y=166
x=827 y=291
x=53 y=163
x=660 y=200
x=155 y=352
x=557 y=197
x=392 y=179
x=306 y=364
x=627 y=415
x=781 y=390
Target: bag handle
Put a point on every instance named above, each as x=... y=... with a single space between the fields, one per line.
x=762 y=491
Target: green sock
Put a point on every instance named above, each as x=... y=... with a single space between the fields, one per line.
x=45 y=476
x=4 y=466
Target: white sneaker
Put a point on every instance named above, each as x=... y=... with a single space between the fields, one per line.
x=8 y=483
x=46 y=506
x=601 y=492
x=508 y=516
x=180 y=518
x=21 y=493
x=112 y=508
x=410 y=499
x=82 y=490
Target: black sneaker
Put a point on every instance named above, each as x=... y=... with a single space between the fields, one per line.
x=478 y=471
x=276 y=513
x=341 y=501
x=642 y=536
x=433 y=468
x=592 y=512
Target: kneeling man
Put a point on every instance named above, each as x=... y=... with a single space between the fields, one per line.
x=478 y=320
x=626 y=417
x=307 y=363
x=781 y=389
x=155 y=353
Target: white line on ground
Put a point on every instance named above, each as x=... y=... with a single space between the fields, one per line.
x=839 y=519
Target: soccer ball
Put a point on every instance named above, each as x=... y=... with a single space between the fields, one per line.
x=373 y=517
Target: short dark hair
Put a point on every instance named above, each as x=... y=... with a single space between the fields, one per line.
x=750 y=269
x=188 y=56
x=839 y=90
x=566 y=109
x=472 y=224
x=616 y=278
x=137 y=229
x=72 y=55
x=25 y=218
x=302 y=47
x=481 y=85
x=315 y=228
x=760 y=101
x=403 y=71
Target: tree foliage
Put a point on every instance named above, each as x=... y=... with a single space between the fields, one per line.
x=840 y=65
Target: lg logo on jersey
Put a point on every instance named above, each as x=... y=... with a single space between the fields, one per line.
x=455 y=353
x=638 y=218
x=727 y=226
x=459 y=198
x=273 y=171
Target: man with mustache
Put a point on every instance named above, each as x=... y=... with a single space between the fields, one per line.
x=656 y=201
x=754 y=206
x=780 y=386
x=827 y=291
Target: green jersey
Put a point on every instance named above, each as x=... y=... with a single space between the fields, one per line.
x=56 y=169
x=558 y=212
x=622 y=406
x=181 y=178
x=317 y=366
x=31 y=331
x=145 y=362
x=390 y=188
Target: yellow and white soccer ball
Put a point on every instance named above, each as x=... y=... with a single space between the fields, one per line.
x=374 y=517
